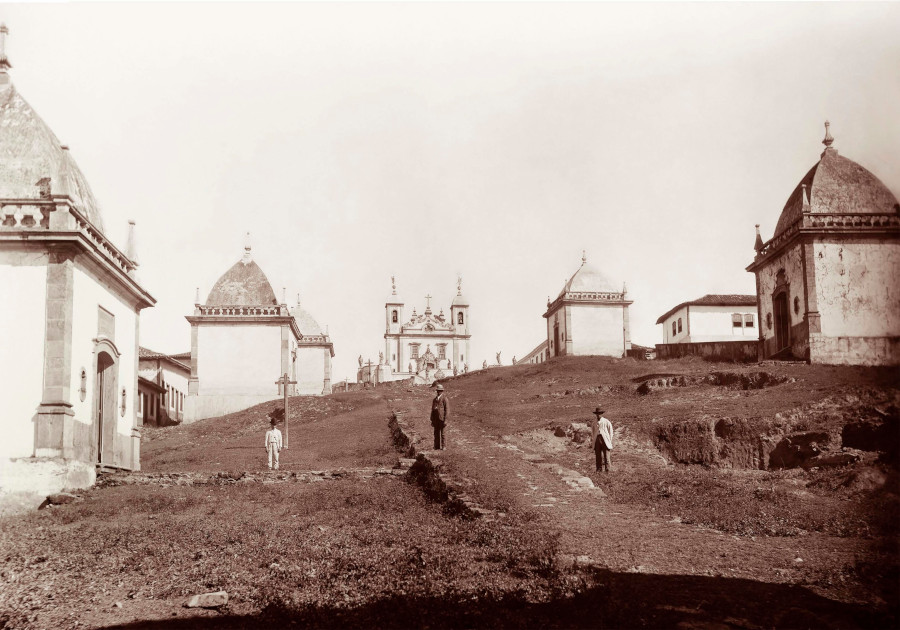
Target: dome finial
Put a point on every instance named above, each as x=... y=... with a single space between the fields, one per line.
x=247 y=256
x=459 y=285
x=393 y=286
x=828 y=140
x=4 y=60
x=758 y=245
x=583 y=257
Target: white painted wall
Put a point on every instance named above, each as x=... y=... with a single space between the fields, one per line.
x=791 y=262
x=23 y=285
x=597 y=330
x=858 y=288
x=89 y=294
x=713 y=323
x=310 y=375
x=677 y=337
x=239 y=360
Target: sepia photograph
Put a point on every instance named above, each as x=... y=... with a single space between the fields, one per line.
x=450 y=315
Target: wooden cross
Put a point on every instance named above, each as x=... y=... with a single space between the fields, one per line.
x=284 y=381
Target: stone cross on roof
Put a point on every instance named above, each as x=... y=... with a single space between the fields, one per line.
x=428 y=303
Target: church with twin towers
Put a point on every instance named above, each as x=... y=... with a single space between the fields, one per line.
x=421 y=346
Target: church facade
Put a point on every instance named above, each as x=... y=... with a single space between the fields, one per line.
x=425 y=346
x=588 y=317
x=826 y=282
x=243 y=341
x=71 y=312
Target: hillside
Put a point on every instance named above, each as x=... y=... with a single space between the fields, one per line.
x=739 y=496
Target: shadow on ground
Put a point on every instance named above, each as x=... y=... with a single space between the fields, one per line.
x=617 y=600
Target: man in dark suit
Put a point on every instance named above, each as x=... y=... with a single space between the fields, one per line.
x=439 y=416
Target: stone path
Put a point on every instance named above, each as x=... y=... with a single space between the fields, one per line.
x=622 y=538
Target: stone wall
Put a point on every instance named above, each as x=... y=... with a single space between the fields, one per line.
x=738 y=351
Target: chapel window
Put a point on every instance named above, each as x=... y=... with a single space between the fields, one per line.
x=737 y=320
x=459 y=318
x=442 y=352
x=679 y=325
x=414 y=352
x=394 y=317
x=674 y=328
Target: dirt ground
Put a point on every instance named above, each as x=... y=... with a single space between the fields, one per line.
x=652 y=544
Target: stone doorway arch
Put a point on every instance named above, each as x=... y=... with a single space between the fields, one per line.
x=105 y=408
x=781 y=314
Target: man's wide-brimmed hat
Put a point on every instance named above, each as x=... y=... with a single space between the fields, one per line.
x=272 y=421
x=440 y=387
x=599 y=411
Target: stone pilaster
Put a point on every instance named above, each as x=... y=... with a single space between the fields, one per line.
x=626 y=327
x=285 y=355
x=53 y=434
x=194 y=381
x=326 y=387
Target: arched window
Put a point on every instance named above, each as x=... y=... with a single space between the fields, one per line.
x=459 y=318
x=679 y=325
x=394 y=316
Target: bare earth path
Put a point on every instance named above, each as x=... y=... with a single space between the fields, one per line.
x=667 y=571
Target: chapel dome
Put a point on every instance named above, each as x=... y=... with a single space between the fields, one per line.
x=837 y=185
x=308 y=326
x=244 y=284
x=31 y=152
x=588 y=279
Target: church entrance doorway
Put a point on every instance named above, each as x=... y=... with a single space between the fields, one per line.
x=782 y=323
x=105 y=407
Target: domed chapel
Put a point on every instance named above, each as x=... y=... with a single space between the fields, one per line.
x=826 y=281
x=243 y=341
x=589 y=316
x=71 y=310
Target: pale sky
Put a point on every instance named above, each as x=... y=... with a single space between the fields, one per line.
x=495 y=141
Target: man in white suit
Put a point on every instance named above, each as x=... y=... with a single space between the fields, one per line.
x=602 y=439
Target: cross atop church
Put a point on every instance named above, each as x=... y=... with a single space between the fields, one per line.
x=428 y=303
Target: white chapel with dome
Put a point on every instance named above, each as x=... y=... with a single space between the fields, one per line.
x=588 y=317
x=71 y=311
x=827 y=281
x=243 y=340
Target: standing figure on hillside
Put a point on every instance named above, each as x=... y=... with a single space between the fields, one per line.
x=273 y=442
x=439 y=415
x=601 y=438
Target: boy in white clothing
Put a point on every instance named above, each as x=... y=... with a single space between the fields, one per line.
x=273 y=443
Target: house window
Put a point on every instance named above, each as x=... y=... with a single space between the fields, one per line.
x=737 y=320
x=459 y=318
x=674 y=328
x=394 y=317
x=749 y=321
x=679 y=325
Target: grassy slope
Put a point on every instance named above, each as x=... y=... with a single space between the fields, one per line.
x=354 y=435
x=304 y=548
